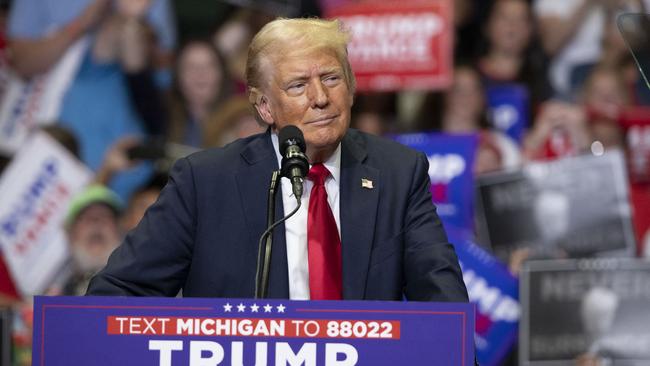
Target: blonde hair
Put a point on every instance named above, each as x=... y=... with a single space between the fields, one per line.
x=281 y=34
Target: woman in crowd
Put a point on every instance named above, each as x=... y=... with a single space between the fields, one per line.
x=465 y=112
x=509 y=57
x=200 y=86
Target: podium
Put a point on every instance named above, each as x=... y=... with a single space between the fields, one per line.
x=126 y=331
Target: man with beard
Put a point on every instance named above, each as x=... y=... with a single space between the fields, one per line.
x=93 y=232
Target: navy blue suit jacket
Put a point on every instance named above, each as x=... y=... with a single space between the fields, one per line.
x=202 y=234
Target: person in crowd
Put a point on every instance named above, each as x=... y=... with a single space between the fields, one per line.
x=370 y=122
x=374 y=113
x=605 y=98
x=373 y=232
x=125 y=39
x=235 y=120
x=140 y=201
x=96 y=106
x=572 y=33
x=469 y=15
x=232 y=39
x=566 y=129
x=489 y=156
x=510 y=56
x=560 y=130
x=464 y=111
x=117 y=160
x=63 y=136
x=200 y=87
x=93 y=229
x=464 y=103
x=616 y=55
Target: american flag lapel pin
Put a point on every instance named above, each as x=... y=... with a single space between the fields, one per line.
x=366 y=183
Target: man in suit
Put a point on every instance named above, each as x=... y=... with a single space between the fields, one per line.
x=367 y=228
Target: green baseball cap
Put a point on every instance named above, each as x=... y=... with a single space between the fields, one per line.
x=94 y=193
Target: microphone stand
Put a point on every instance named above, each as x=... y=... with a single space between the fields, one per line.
x=264 y=252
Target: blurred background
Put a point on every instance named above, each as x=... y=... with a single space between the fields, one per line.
x=533 y=114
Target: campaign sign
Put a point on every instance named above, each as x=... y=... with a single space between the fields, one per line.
x=585 y=308
x=37 y=101
x=573 y=207
x=495 y=292
x=508 y=107
x=35 y=191
x=103 y=331
x=399 y=45
x=451 y=158
x=636 y=123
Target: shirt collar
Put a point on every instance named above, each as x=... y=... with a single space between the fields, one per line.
x=333 y=163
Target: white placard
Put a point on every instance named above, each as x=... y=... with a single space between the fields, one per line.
x=35 y=193
x=37 y=101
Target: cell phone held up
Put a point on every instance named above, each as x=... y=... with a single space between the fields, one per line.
x=147 y=150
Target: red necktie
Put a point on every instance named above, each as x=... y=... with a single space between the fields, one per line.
x=323 y=242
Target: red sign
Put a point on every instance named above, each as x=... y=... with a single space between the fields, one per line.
x=399 y=45
x=252 y=327
x=636 y=122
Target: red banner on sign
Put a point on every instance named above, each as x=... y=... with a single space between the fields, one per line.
x=399 y=45
x=252 y=327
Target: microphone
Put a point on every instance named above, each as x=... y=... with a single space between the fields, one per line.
x=295 y=167
x=294 y=161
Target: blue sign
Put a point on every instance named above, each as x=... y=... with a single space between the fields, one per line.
x=508 y=106
x=451 y=160
x=495 y=292
x=103 y=331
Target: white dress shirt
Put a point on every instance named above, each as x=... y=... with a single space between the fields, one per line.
x=296 y=226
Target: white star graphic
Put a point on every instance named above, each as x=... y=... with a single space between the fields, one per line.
x=241 y=307
x=268 y=308
x=227 y=307
x=254 y=308
x=280 y=308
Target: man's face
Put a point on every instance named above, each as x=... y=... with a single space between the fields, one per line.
x=308 y=89
x=93 y=236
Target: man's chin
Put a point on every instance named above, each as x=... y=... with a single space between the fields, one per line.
x=86 y=260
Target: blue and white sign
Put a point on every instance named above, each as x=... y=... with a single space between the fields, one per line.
x=451 y=159
x=145 y=331
x=35 y=191
x=509 y=106
x=495 y=292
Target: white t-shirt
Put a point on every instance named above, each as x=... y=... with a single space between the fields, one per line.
x=585 y=47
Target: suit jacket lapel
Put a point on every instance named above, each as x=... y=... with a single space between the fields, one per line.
x=358 y=210
x=253 y=178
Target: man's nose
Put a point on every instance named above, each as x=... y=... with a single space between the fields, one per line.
x=318 y=95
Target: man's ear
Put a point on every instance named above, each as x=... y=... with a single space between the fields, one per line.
x=263 y=108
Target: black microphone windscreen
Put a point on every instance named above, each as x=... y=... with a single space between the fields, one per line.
x=290 y=135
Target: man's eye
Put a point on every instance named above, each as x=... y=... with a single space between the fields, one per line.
x=332 y=79
x=296 y=87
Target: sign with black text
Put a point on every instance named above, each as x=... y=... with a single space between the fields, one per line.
x=573 y=207
x=588 y=308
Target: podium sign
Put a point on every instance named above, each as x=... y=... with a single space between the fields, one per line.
x=199 y=332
